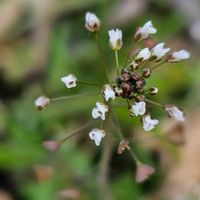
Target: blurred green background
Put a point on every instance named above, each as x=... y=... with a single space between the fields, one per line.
x=41 y=41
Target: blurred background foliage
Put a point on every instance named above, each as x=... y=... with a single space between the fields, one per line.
x=41 y=41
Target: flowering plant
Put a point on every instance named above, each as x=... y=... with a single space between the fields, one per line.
x=129 y=84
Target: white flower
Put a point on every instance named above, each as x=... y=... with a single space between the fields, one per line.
x=96 y=135
x=115 y=39
x=179 y=55
x=144 y=54
x=144 y=32
x=69 y=80
x=108 y=92
x=139 y=108
x=175 y=113
x=41 y=102
x=148 y=123
x=159 y=51
x=92 y=22
x=99 y=111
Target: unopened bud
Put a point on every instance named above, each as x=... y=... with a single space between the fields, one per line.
x=140 y=98
x=134 y=65
x=125 y=77
x=51 y=145
x=146 y=73
x=153 y=90
x=42 y=102
x=140 y=84
x=118 y=91
x=126 y=87
x=138 y=34
x=92 y=22
x=135 y=76
x=122 y=146
x=143 y=172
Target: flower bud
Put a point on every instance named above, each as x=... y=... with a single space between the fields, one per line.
x=133 y=65
x=140 y=98
x=118 y=91
x=92 y=22
x=122 y=146
x=135 y=76
x=143 y=172
x=52 y=145
x=125 y=77
x=153 y=90
x=42 y=102
x=146 y=73
x=140 y=83
x=115 y=40
x=126 y=87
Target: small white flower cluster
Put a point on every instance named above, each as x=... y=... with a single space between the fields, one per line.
x=130 y=84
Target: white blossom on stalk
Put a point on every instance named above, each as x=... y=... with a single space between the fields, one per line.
x=97 y=135
x=159 y=51
x=42 y=102
x=99 y=111
x=175 y=112
x=69 y=80
x=138 y=108
x=143 y=54
x=92 y=22
x=179 y=55
x=115 y=39
x=148 y=123
x=108 y=92
x=144 y=32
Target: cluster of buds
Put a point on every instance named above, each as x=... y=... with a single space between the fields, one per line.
x=129 y=84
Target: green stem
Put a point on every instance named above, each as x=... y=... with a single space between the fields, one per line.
x=102 y=57
x=72 y=96
x=88 y=83
x=154 y=103
x=129 y=52
x=117 y=62
x=159 y=64
x=117 y=125
x=133 y=155
x=75 y=132
x=102 y=123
